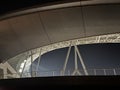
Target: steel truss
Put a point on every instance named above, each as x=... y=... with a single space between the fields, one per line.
x=38 y=52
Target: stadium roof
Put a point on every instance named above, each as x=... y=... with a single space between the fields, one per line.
x=46 y=24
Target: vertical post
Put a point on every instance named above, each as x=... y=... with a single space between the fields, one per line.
x=104 y=71
x=31 y=64
x=24 y=66
x=76 y=71
x=23 y=69
x=5 y=72
x=38 y=63
x=76 y=64
x=81 y=60
x=114 y=72
x=66 y=60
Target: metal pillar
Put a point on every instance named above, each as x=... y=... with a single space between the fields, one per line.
x=66 y=60
x=114 y=72
x=104 y=70
x=24 y=67
x=12 y=70
x=5 y=72
x=6 y=66
x=32 y=72
x=81 y=60
x=76 y=71
x=76 y=63
x=38 y=63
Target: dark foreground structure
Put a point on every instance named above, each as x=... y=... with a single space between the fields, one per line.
x=64 y=82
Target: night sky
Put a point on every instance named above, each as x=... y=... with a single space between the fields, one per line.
x=96 y=56
x=8 y=6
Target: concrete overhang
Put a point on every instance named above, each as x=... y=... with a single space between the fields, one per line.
x=36 y=27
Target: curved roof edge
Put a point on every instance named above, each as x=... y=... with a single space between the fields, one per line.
x=109 y=38
x=58 y=6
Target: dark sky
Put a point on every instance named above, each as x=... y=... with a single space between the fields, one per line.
x=8 y=6
x=96 y=56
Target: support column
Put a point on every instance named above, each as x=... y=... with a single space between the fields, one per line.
x=38 y=63
x=32 y=72
x=5 y=72
x=23 y=68
x=76 y=71
x=81 y=60
x=66 y=60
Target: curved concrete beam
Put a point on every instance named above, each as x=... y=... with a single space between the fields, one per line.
x=23 y=33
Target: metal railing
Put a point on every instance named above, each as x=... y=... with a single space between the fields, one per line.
x=91 y=72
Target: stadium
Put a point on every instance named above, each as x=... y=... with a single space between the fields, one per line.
x=45 y=39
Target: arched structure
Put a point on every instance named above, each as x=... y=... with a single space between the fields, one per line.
x=58 y=25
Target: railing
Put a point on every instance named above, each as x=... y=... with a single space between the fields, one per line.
x=91 y=72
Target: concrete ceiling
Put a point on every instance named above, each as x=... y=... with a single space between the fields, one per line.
x=21 y=33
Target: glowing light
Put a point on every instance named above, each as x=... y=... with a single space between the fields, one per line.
x=20 y=70
x=22 y=65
